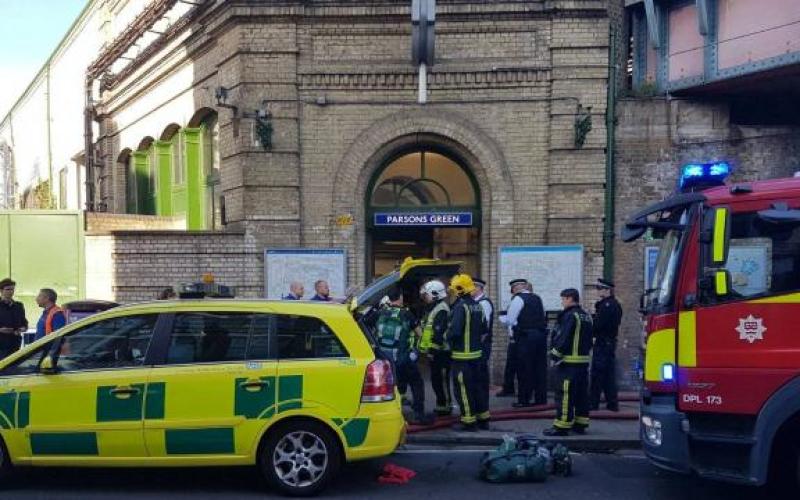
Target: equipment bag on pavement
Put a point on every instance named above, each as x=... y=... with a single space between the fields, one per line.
x=525 y=459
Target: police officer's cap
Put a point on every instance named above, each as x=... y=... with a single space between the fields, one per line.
x=479 y=281
x=604 y=284
x=521 y=281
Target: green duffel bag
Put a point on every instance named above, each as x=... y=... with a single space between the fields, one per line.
x=520 y=466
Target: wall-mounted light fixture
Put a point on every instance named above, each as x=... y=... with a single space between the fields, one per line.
x=262 y=116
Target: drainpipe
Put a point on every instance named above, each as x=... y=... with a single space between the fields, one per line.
x=48 y=104
x=610 y=209
x=88 y=146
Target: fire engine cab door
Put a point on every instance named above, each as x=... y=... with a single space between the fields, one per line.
x=740 y=343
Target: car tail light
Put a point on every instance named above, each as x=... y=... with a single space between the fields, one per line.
x=378 y=382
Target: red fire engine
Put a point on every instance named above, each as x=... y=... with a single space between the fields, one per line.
x=721 y=388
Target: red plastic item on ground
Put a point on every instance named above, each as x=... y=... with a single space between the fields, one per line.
x=394 y=474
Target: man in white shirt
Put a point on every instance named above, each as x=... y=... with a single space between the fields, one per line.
x=527 y=323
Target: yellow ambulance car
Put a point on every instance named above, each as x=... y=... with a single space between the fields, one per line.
x=293 y=387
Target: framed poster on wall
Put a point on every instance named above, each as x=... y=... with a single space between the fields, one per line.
x=282 y=266
x=650 y=260
x=549 y=268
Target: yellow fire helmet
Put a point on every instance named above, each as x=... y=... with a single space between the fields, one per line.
x=462 y=284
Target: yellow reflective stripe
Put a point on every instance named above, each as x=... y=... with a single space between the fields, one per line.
x=563 y=422
x=582 y=420
x=720 y=219
x=659 y=351
x=576 y=338
x=555 y=352
x=792 y=298
x=687 y=339
x=721 y=283
x=467 y=330
x=466 y=355
x=576 y=359
x=464 y=400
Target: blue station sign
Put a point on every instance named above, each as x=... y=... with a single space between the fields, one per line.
x=430 y=219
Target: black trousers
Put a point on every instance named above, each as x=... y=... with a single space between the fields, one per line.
x=604 y=377
x=511 y=374
x=572 y=395
x=440 y=381
x=465 y=383
x=408 y=376
x=532 y=366
x=483 y=382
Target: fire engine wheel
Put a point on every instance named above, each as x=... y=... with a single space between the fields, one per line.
x=300 y=458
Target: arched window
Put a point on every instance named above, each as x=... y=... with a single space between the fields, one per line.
x=173 y=134
x=141 y=168
x=423 y=179
x=125 y=159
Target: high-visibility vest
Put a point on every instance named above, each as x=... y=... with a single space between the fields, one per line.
x=426 y=341
x=48 y=321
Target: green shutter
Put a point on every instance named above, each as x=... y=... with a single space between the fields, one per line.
x=195 y=180
x=144 y=199
x=164 y=172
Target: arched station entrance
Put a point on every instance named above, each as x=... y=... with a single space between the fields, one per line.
x=423 y=203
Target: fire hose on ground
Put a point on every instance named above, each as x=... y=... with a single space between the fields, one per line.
x=534 y=412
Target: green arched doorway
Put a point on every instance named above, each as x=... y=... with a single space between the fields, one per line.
x=422 y=203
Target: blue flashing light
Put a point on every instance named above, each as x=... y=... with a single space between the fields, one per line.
x=699 y=175
x=719 y=169
x=668 y=372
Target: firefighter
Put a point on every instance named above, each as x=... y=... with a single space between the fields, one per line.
x=395 y=326
x=432 y=343
x=486 y=349
x=607 y=317
x=570 y=355
x=467 y=324
x=528 y=324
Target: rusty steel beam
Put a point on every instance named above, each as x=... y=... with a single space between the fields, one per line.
x=144 y=21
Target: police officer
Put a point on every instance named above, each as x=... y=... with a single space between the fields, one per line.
x=432 y=343
x=486 y=349
x=526 y=319
x=607 y=317
x=467 y=325
x=395 y=326
x=570 y=354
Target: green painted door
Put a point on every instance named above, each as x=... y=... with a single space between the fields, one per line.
x=44 y=250
x=195 y=180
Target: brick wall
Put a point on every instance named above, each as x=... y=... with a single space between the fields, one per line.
x=103 y=223
x=654 y=138
x=144 y=262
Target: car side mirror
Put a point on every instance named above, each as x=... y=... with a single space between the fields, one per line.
x=47 y=366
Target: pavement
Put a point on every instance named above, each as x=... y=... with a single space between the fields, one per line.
x=608 y=431
x=442 y=474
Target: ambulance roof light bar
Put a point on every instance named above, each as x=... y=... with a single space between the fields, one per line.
x=699 y=176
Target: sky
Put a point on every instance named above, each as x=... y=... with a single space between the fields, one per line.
x=29 y=32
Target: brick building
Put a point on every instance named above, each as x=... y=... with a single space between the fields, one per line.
x=289 y=124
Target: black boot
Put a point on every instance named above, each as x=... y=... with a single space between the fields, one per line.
x=462 y=427
x=555 y=431
x=483 y=425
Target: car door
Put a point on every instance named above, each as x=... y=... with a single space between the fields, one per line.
x=215 y=387
x=316 y=374
x=89 y=408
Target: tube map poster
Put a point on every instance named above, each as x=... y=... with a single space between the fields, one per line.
x=549 y=268
x=307 y=265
